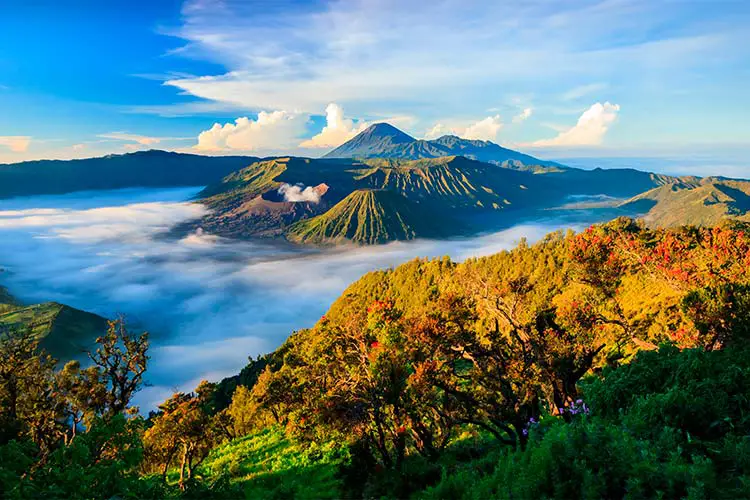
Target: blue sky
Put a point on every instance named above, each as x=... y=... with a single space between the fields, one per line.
x=559 y=79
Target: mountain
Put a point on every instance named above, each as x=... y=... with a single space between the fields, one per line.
x=694 y=201
x=379 y=139
x=64 y=331
x=382 y=140
x=152 y=168
x=255 y=201
x=367 y=216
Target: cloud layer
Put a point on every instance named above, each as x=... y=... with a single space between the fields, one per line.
x=208 y=302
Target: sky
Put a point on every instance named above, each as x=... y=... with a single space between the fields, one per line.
x=577 y=79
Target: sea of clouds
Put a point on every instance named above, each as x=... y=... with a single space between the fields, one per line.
x=208 y=302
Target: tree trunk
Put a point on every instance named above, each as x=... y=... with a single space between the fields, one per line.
x=182 y=467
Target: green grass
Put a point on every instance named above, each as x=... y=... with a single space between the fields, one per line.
x=63 y=330
x=367 y=217
x=270 y=465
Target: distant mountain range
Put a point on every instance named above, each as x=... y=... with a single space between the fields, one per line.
x=140 y=169
x=382 y=199
x=383 y=185
x=383 y=140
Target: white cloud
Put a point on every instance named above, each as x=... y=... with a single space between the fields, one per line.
x=337 y=130
x=485 y=130
x=437 y=131
x=523 y=115
x=590 y=130
x=16 y=143
x=367 y=55
x=299 y=193
x=270 y=131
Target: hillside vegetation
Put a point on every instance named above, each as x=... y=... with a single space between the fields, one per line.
x=703 y=202
x=369 y=217
x=607 y=364
x=62 y=330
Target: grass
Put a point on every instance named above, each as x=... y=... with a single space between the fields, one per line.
x=270 y=465
x=63 y=330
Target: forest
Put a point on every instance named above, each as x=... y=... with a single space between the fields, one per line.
x=612 y=363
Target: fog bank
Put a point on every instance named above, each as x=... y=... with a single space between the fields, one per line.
x=208 y=302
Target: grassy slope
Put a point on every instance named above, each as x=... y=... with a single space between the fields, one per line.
x=365 y=216
x=269 y=465
x=703 y=202
x=62 y=329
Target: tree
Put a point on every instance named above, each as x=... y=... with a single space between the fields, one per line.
x=183 y=433
x=120 y=360
x=28 y=407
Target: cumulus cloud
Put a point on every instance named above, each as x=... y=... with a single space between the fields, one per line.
x=298 y=192
x=590 y=130
x=270 y=130
x=523 y=115
x=16 y=143
x=337 y=130
x=485 y=130
x=208 y=302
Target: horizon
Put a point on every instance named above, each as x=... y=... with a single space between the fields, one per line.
x=300 y=78
x=695 y=165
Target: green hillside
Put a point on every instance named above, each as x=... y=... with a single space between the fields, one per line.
x=249 y=202
x=63 y=330
x=699 y=202
x=269 y=464
x=612 y=364
x=452 y=182
x=366 y=216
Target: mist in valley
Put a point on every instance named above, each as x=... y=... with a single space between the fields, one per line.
x=208 y=302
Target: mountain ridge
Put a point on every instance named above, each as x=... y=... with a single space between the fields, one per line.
x=382 y=140
x=152 y=168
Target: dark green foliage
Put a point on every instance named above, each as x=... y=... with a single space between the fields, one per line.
x=101 y=463
x=248 y=376
x=671 y=424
